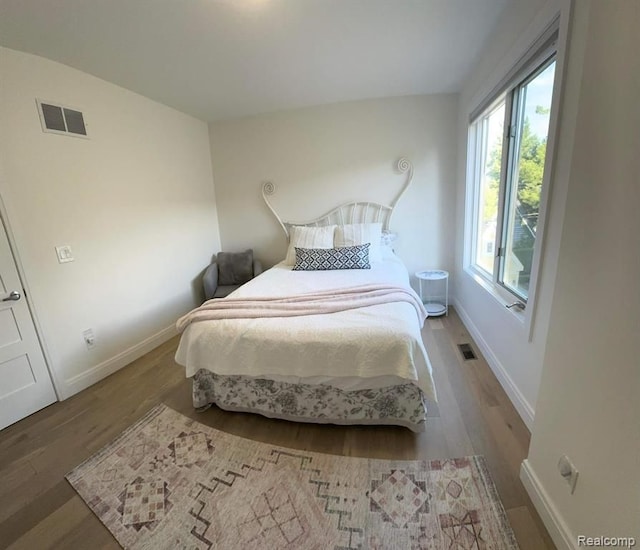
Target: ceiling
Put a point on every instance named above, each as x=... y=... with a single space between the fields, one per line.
x=219 y=59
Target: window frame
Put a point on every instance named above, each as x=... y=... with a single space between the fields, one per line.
x=543 y=52
x=508 y=181
x=476 y=169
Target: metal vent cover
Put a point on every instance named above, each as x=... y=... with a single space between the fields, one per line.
x=58 y=119
x=467 y=352
x=75 y=122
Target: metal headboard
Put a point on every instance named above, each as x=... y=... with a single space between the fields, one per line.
x=351 y=212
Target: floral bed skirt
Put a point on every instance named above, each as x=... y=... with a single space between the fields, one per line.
x=401 y=405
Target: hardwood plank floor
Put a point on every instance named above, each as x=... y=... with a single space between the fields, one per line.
x=40 y=510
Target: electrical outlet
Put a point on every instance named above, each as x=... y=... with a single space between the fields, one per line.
x=568 y=471
x=89 y=338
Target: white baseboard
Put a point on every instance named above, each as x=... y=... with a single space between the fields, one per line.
x=102 y=370
x=524 y=408
x=559 y=531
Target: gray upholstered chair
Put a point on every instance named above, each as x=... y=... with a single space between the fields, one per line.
x=228 y=272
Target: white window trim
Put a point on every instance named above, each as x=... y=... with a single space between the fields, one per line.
x=526 y=318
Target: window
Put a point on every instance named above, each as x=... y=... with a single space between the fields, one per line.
x=507 y=152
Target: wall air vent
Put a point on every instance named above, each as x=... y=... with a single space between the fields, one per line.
x=59 y=119
x=467 y=351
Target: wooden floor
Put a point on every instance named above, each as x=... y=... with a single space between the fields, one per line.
x=39 y=509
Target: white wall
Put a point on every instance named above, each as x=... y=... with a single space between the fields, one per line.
x=588 y=405
x=513 y=351
x=135 y=202
x=323 y=156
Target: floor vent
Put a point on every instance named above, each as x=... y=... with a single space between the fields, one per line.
x=467 y=352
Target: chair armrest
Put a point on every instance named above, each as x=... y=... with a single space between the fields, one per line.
x=257 y=267
x=210 y=281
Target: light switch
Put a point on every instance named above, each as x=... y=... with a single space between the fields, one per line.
x=64 y=254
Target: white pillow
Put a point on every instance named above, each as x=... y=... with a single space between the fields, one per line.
x=361 y=233
x=308 y=237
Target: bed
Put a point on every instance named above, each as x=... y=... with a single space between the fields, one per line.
x=357 y=362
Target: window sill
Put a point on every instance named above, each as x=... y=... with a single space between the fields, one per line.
x=521 y=316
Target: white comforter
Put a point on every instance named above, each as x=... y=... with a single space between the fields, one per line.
x=369 y=347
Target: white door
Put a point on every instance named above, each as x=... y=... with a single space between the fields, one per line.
x=25 y=384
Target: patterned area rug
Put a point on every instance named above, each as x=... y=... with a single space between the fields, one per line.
x=171 y=482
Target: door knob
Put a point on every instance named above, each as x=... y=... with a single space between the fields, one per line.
x=13 y=296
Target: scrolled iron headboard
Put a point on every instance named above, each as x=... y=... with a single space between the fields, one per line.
x=351 y=212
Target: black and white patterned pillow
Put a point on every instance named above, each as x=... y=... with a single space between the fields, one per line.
x=344 y=257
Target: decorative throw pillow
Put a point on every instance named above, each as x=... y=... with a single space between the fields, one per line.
x=234 y=268
x=308 y=237
x=361 y=233
x=319 y=259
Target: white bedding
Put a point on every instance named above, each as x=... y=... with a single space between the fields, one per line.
x=370 y=347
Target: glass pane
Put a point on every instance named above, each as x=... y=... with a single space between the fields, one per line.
x=490 y=139
x=525 y=185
